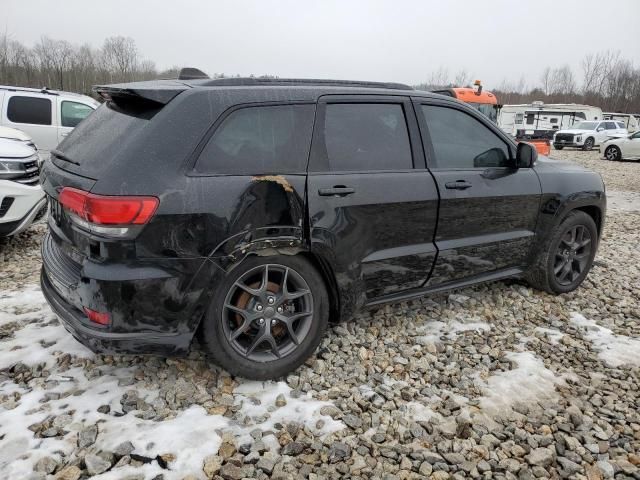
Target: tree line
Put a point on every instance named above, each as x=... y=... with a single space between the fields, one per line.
x=606 y=79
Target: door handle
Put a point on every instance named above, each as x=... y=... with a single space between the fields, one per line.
x=458 y=185
x=336 y=191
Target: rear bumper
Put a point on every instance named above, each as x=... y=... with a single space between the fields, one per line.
x=103 y=341
x=150 y=312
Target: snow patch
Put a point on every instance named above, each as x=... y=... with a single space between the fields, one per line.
x=433 y=332
x=419 y=412
x=39 y=335
x=554 y=335
x=615 y=350
x=530 y=381
x=191 y=434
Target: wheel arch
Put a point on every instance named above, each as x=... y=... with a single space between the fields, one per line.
x=328 y=277
x=593 y=211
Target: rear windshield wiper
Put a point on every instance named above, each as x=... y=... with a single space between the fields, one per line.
x=63 y=157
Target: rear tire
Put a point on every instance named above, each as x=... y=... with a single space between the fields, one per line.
x=257 y=329
x=566 y=258
x=588 y=144
x=613 y=153
x=558 y=147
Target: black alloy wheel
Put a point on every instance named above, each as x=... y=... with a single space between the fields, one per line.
x=572 y=255
x=267 y=312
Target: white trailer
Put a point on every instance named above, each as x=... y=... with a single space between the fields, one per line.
x=538 y=116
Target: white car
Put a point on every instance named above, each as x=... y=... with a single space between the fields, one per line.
x=588 y=134
x=22 y=200
x=627 y=148
x=18 y=135
x=47 y=116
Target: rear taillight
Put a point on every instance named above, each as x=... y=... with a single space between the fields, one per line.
x=106 y=214
x=101 y=318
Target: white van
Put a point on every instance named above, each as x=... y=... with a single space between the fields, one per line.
x=47 y=116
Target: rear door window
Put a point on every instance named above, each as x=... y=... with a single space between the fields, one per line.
x=366 y=137
x=461 y=141
x=260 y=139
x=30 y=110
x=72 y=113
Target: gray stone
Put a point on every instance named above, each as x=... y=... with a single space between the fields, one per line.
x=352 y=421
x=267 y=463
x=425 y=469
x=281 y=401
x=606 y=468
x=292 y=448
x=211 y=465
x=542 y=457
x=229 y=471
x=46 y=465
x=87 y=436
x=96 y=464
x=125 y=448
x=339 y=452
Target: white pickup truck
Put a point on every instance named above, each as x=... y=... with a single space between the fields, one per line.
x=587 y=135
x=47 y=116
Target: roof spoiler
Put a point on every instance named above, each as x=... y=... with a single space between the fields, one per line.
x=190 y=73
x=158 y=92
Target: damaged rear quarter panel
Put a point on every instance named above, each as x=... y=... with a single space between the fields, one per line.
x=231 y=217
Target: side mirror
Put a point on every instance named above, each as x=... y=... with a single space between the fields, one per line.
x=600 y=129
x=526 y=155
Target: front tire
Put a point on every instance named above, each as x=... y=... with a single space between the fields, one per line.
x=613 y=153
x=266 y=317
x=565 y=260
x=558 y=147
x=588 y=144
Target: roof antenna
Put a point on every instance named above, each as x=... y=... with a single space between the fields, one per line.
x=190 y=73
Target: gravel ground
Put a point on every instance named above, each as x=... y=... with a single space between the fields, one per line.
x=494 y=381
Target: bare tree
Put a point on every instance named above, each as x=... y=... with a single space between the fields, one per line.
x=120 y=55
x=545 y=79
x=439 y=78
x=462 y=78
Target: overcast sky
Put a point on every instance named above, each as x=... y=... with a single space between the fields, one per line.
x=401 y=41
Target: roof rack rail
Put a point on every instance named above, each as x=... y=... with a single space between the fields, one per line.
x=256 y=81
x=44 y=90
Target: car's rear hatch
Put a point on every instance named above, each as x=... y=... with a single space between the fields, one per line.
x=96 y=148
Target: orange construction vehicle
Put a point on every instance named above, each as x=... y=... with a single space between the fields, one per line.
x=487 y=104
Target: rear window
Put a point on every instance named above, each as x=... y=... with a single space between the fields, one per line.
x=366 y=137
x=100 y=137
x=261 y=139
x=72 y=113
x=32 y=110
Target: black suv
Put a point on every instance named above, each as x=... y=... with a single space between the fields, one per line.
x=252 y=211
